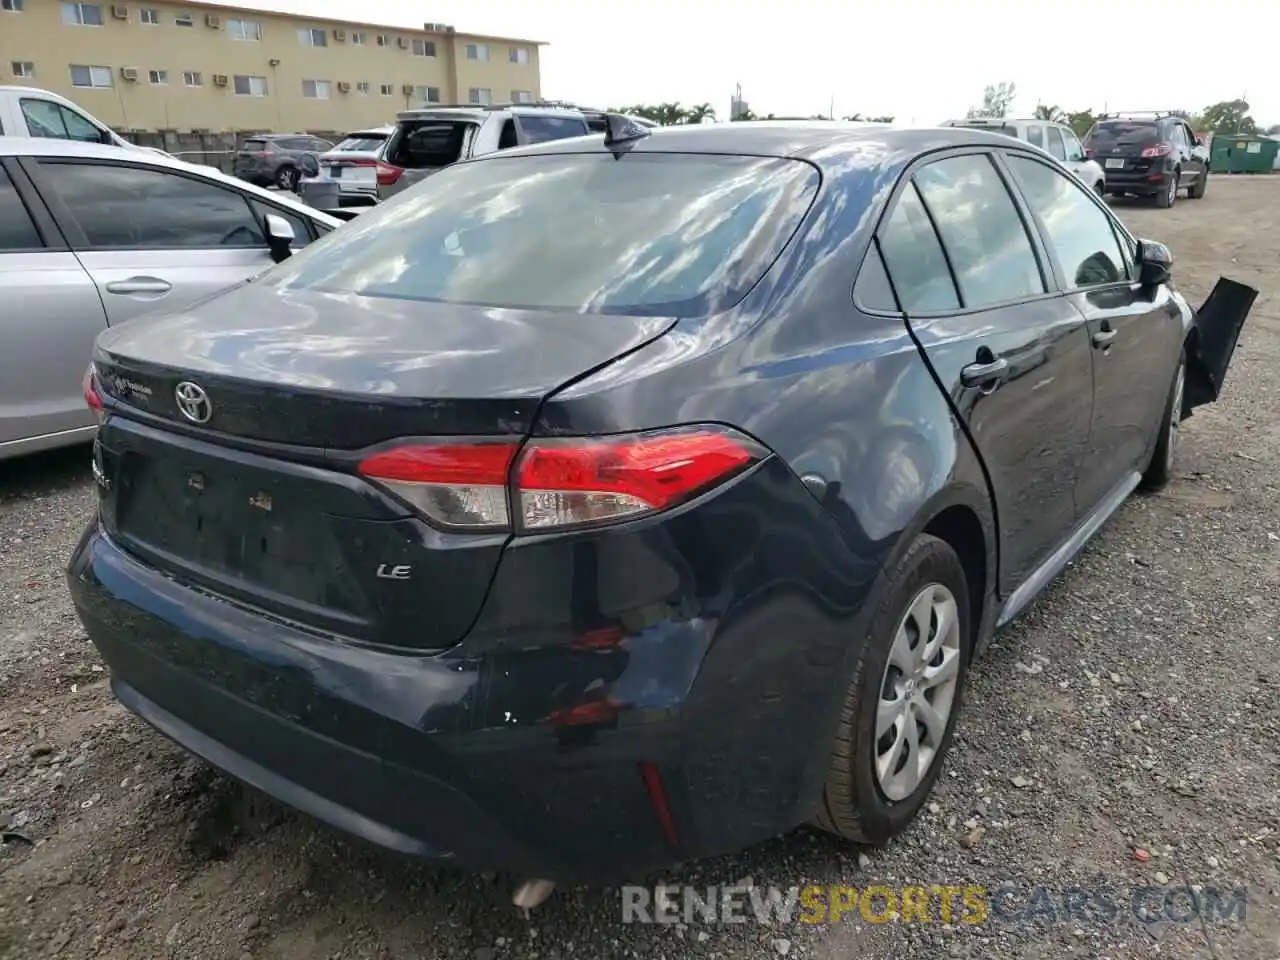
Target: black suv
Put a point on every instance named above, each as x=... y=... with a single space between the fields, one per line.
x=1149 y=155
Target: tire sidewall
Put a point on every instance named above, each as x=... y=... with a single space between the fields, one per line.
x=934 y=562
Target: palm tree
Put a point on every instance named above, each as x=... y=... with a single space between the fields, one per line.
x=668 y=114
x=699 y=113
x=1050 y=112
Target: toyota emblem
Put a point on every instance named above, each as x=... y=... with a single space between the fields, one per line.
x=193 y=402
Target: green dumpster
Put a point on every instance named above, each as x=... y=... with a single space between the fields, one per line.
x=1242 y=153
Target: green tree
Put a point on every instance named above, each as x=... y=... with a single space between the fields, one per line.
x=749 y=114
x=1050 y=112
x=997 y=98
x=1229 y=116
x=699 y=113
x=1273 y=130
x=1080 y=121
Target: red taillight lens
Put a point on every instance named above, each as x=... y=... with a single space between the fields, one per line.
x=387 y=174
x=559 y=483
x=459 y=485
x=568 y=482
x=1159 y=150
x=93 y=399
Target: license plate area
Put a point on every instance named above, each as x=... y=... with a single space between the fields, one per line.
x=1115 y=163
x=335 y=172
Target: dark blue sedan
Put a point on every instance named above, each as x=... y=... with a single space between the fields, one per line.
x=617 y=501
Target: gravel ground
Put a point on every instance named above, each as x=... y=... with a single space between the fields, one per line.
x=1122 y=733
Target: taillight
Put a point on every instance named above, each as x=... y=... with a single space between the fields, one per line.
x=1159 y=150
x=560 y=483
x=93 y=399
x=387 y=174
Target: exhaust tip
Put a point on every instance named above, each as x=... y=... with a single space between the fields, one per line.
x=530 y=893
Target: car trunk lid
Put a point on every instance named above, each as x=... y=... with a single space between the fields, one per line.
x=260 y=502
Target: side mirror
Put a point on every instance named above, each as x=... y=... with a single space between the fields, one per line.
x=279 y=237
x=1155 y=263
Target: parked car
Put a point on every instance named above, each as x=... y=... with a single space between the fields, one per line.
x=32 y=112
x=577 y=550
x=428 y=140
x=1059 y=140
x=1150 y=155
x=352 y=166
x=276 y=158
x=94 y=235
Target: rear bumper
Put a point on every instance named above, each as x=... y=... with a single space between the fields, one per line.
x=530 y=747
x=1145 y=182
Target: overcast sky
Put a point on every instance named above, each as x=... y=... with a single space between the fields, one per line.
x=921 y=60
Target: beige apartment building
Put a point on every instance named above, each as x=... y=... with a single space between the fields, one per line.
x=153 y=65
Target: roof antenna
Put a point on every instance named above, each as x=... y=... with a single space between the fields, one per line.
x=620 y=129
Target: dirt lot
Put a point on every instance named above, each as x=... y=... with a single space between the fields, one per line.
x=1136 y=706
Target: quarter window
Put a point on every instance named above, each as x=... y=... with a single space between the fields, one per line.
x=872 y=289
x=17 y=232
x=981 y=229
x=914 y=258
x=1075 y=152
x=50 y=120
x=138 y=208
x=1080 y=233
x=1035 y=134
x=1054 y=145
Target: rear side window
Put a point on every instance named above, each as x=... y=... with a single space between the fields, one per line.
x=17 y=232
x=141 y=208
x=542 y=129
x=981 y=229
x=1035 y=134
x=647 y=234
x=419 y=144
x=255 y=146
x=1054 y=144
x=914 y=258
x=1080 y=233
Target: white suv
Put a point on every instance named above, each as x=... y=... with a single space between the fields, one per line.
x=1057 y=139
x=432 y=138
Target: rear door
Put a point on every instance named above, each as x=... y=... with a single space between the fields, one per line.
x=1135 y=334
x=47 y=330
x=1012 y=354
x=152 y=238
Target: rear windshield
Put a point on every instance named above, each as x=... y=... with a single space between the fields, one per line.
x=418 y=144
x=363 y=142
x=646 y=234
x=541 y=129
x=1124 y=130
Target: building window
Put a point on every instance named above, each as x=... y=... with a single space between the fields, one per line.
x=244 y=29
x=387 y=90
x=482 y=95
x=23 y=68
x=312 y=37
x=519 y=55
x=357 y=38
x=159 y=77
x=384 y=40
x=427 y=94
x=424 y=48
x=315 y=89
x=183 y=20
x=477 y=51
x=192 y=78
x=250 y=86
x=11 y=6
x=91 y=77
x=149 y=15
x=521 y=96
x=363 y=87
x=82 y=14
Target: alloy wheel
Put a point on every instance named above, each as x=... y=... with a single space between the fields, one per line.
x=917 y=692
x=1175 y=416
x=1173 y=188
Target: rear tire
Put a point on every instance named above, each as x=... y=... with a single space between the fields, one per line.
x=1169 y=196
x=1100 y=189
x=287 y=179
x=1202 y=184
x=872 y=791
x=1164 y=457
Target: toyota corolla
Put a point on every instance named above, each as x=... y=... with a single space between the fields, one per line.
x=612 y=502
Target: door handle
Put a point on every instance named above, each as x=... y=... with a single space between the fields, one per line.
x=151 y=285
x=984 y=374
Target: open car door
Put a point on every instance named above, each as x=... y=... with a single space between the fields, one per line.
x=1218 y=324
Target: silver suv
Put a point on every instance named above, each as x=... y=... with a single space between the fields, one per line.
x=1056 y=138
x=434 y=137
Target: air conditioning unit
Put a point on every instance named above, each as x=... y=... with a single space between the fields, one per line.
x=219 y=79
x=340 y=35
x=213 y=20
x=119 y=11
x=449 y=29
x=407 y=89
x=129 y=73
x=344 y=86
x=402 y=43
